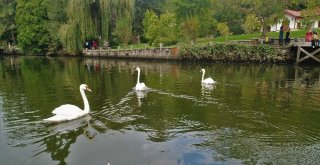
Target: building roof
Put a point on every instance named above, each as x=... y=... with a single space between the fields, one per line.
x=296 y=14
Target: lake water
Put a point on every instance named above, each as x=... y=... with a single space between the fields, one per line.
x=255 y=114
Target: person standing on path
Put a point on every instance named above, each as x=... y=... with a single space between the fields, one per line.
x=281 y=36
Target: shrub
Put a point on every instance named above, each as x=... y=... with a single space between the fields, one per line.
x=229 y=52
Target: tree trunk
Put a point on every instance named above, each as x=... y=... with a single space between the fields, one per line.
x=264 y=30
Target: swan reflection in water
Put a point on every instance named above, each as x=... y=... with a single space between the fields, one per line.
x=206 y=89
x=62 y=135
x=73 y=125
x=140 y=95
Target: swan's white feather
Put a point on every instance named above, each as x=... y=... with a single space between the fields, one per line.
x=67 y=110
x=56 y=119
x=141 y=86
x=208 y=81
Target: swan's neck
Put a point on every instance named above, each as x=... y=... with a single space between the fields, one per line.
x=203 y=75
x=138 y=79
x=85 y=101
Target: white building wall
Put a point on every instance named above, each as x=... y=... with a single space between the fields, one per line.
x=276 y=27
x=292 y=21
x=315 y=24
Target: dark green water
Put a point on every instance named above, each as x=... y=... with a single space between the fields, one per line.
x=255 y=114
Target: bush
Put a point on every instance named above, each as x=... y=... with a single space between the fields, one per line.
x=229 y=52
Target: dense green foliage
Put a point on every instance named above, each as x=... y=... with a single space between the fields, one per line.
x=228 y=12
x=266 y=11
x=8 y=30
x=251 y=24
x=200 y=10
x=46 y=26
x=190 y=29
x=32 y=21
x=57 y=16
x=140 y=8
x=230 y=52
x=160 y=30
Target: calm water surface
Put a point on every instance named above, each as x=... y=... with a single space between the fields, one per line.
x=255 y=114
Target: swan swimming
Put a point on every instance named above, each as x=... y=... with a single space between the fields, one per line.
x=140 y=86
x=207 y=80
x=69 y=112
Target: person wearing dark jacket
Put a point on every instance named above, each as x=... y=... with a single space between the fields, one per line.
x=281 y=36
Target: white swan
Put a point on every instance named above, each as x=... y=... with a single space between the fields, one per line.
x=140 y=86
x=207 y=80
x=69 y=112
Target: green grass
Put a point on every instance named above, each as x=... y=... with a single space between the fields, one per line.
x=294 y=34
x=136 y=46
x=141 y=46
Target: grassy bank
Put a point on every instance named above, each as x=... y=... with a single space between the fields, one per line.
x=294 y=34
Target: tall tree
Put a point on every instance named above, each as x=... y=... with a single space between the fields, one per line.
x=223 y=29
x=267 y=11
x=120 y=10
x=32 y=20
x=297 y=5
x=230 y=12
x=8 y=31
x=79 y=27
x=150 y=25
x=141 y=6
x=190 y=29
x=312 y=12
x=160 y=30
x=123 y=31
x=57 y=15
x=201 y=10
x=168 y=32
x=251 y=24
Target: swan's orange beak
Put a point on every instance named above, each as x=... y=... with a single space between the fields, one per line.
x=88 y=89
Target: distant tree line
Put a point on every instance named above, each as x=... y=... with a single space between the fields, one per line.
x=46 y=26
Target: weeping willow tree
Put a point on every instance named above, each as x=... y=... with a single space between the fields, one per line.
x=93 y=20
x=79 y=27
x=105 y=17
x=71 y=37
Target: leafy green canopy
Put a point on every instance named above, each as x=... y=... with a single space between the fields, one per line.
x=195 y=11
x=160 y=30
x=7 y=21
x=32 y=21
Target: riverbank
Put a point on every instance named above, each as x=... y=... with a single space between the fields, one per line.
x=9 y=51
x=248 y=51
x=150 y=53
x=213 y=52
